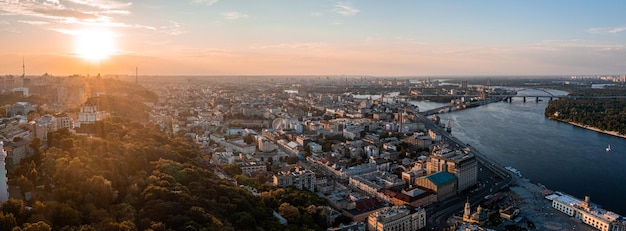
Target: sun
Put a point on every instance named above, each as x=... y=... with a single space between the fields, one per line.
x=95 y=45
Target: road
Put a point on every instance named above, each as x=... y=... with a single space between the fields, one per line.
x=491 y=177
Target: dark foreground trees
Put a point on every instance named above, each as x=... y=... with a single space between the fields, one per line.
x=141 y=181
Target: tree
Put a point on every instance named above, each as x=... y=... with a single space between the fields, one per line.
x=289 y=212
x=101 y=190
x=7 y=221
x=35 y=144
x=16 y=208
x=39 y=226
x=248 y=139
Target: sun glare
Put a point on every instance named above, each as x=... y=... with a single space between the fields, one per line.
x=95 y=45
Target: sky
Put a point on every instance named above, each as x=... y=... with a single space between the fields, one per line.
x=312 y=37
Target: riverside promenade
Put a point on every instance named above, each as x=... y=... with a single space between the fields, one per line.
x=529 y=197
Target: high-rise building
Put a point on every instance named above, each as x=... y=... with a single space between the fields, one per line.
x=4 y=188
x=463 y=166
x=464 y=84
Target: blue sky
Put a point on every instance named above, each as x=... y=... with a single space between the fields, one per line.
x=383 y=38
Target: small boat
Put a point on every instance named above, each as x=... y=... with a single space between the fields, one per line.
x=608 y=149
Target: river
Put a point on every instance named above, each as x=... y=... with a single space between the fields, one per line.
x=561 y=156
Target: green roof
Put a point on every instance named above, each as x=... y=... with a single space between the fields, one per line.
x=441 y=178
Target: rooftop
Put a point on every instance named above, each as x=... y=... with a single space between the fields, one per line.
x=441 y=178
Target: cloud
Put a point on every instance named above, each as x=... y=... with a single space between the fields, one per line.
x=205 y=2
x=55 y=11
x=606 y=30
x=292 y=46
x=101 y=4
x=234 y=15
x=345 y=9
x=64 y=16
x=34 y=22
x=173 y=29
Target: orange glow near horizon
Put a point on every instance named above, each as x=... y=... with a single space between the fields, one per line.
x=95 y=45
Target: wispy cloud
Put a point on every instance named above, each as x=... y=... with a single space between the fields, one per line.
x=606 y=30
x=345 y=9
x=292 y=46
x=64 y=16
x=173 y=29
x=74 y=10
x=234 y=15
x=101 y=4
x=34 y=22
x=205 y=2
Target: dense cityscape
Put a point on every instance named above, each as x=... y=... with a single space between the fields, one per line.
x=373 y=159
x=333 y=115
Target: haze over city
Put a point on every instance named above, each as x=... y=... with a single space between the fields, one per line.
x=400 y=38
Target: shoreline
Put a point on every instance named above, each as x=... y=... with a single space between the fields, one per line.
x=617 y=134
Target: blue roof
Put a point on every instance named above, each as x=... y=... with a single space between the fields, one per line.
x=441 y=178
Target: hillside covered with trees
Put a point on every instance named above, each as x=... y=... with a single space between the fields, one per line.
x=605 y=114
x=135 y=179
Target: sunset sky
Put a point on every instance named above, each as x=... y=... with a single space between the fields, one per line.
x=257 y=37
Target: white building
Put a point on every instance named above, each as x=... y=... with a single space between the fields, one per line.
x=588 y=213
x=239 y=146
x=223 y=158
x=4 y=188
x=64 y=121
x=266 y=145
x=89 y=113
x=301 y=179
x=397 y=218
x=20 y=108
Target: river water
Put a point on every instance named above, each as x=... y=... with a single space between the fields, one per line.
x=561 y=156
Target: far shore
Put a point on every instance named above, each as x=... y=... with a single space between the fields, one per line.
x=613 y=133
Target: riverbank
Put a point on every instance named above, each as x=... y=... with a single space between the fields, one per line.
x=617 y=134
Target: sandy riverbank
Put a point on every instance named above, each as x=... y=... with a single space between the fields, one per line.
x=596 y=129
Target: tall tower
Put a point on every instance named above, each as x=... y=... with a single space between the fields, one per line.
x=467 y=212
x=136 y=75
x=23 y=68
x=4 y=188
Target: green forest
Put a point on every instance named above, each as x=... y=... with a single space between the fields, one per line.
x=605 y=114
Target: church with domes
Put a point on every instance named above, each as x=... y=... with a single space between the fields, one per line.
x=478 y=217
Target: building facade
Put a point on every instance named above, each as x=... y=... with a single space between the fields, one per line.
x=89 y=113
x=301 y=179
x=397 y=218
x=588 y=213
x=463 y=166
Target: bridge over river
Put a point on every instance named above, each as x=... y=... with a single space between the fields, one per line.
x=545 y=94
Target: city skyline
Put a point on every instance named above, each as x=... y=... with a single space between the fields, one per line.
x=406 y=38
